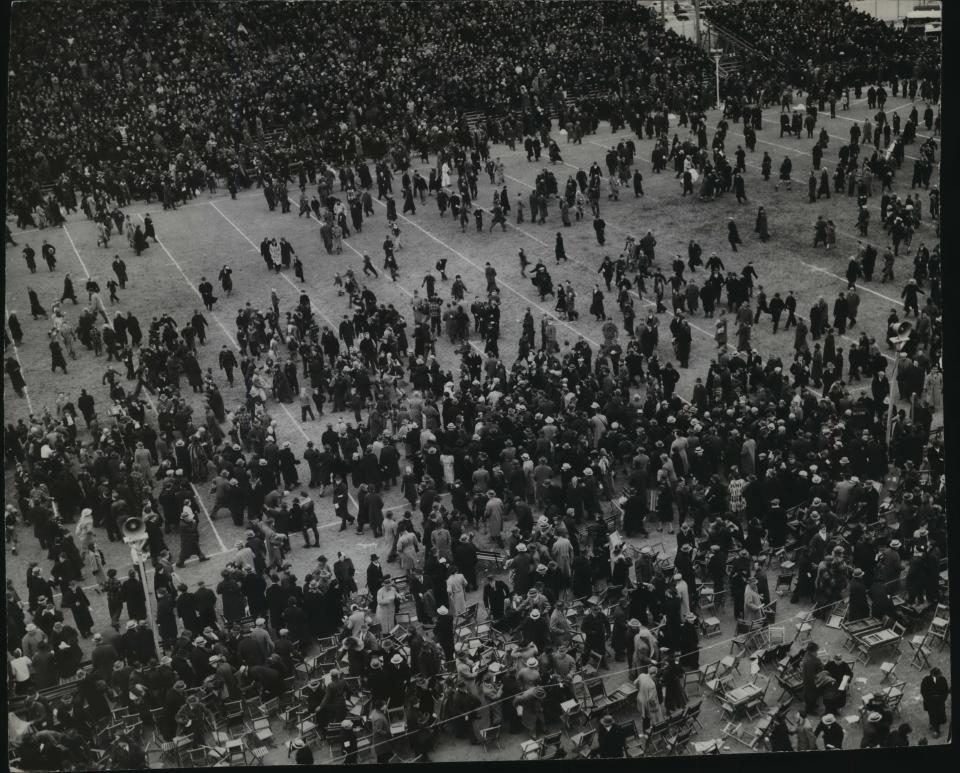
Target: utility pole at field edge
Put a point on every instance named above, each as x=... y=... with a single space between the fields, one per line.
x=696 y=19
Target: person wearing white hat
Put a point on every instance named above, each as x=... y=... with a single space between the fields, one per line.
x=529 y=674
x=831 y=730
x=889 y=567
x=443 y=631
x=522 y=565
x=302 y=754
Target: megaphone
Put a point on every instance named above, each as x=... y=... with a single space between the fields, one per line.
x=134 y=530
x=902 y=337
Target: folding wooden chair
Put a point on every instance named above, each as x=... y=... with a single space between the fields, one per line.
x=656 y=737
x=236 y=752
x=573 y=716
x=889 y=669
x=531 y=750
x=592 y=667
x=710 y=627
x=552 y=746
x=490 y=735
x=707 y=674
x=728 y=665
x=921 y=651
x=397 y=720
x=804 y=628
x=257 y=753
x=692 y=713
x=258 y=729
x=676 y=744
x=939 y=629
x=598 y=696
x=307 y=728
x=635 y=740
x=582 y=742
x=365 y=747
x=894 y=696
x=195 y=758
x=754 y=707
x=706 y=601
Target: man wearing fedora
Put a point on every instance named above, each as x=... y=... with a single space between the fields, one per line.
x=302 y=754
x=831 y=731
x=374 y=580
x=611 y=742
x=934 y=690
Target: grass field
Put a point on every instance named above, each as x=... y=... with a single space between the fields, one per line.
x=196 y=240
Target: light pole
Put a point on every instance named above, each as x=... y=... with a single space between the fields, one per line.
x=696 y=19
x=891 y=405
x=717 y=53
x=899 y=342
x=135 y=535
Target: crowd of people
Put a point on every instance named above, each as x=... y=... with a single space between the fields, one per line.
x=542 y=457
x=825 y=45
x=165 y=103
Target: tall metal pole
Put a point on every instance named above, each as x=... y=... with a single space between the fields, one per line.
x=891 y=405
x=138 y=559
x=696 y=19
x=716 y=60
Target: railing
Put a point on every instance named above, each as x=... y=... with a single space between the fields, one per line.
x=716 y=35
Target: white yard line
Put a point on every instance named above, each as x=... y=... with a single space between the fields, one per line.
x=282 y=275
x=76 y=251
x=480 y=268
x=226 y=332
x=818 y=269
x=223 y=548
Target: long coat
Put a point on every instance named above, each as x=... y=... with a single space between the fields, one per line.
x=457 y=592
x=648 y=702
x=494 y=516
x=386 y=607
x=75 y=599
x=935 y=690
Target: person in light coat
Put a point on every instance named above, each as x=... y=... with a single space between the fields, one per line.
x=493 y=515
x=408 y=547
x=457 y=592
x=648 y=700
x=752 y=602
x=141 y=460
x=562 y=553
x=683 y=591
x=386 y=606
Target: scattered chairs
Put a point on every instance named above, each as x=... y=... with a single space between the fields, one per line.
x=710 y=627
x=582 y=743
x=921 y=651
x=676 y=744
x=692 y=713
x=939 y=629
x=573 y=716
x=888 y=669
x=754 y=707
x=804 y=628
x=259 y=730
x=552 y=746
x=531 y=750
x=489 y=736
x=691 y=679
